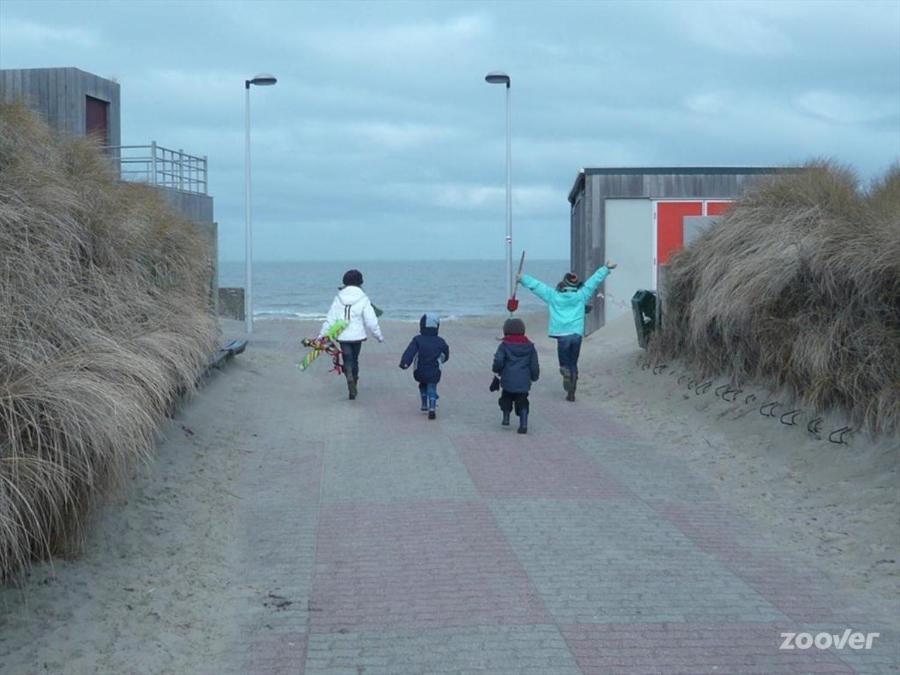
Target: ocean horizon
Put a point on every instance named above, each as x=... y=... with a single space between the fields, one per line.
x=404 y=289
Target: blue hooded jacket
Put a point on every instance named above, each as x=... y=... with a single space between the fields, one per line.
x=566 y=306
x=428 y=350
x=516 y=362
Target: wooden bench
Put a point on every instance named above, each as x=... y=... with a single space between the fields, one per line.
x=224 y=353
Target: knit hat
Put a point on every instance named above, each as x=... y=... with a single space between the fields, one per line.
x=353 y=278
x=514 y=327
x=569 y=282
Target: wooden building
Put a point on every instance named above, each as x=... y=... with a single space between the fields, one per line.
x=638 y=216
x=69 y=100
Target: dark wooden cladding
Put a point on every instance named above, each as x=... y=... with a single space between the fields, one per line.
x=593 y=186
x=60 y=96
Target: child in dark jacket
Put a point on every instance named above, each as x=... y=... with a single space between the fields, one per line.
x=516 y=362
x=428 y=351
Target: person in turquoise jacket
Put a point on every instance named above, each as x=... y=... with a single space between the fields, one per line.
x=566 y=304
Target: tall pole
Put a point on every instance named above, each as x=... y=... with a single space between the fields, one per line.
x=248 y=232
x=509 y=269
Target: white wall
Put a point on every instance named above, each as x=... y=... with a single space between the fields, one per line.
x=629 y=242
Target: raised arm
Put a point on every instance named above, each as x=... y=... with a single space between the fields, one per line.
x=539 y=288
x=593 y=283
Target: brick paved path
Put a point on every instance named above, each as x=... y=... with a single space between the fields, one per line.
x=380 y=542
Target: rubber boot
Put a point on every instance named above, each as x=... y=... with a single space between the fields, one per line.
x=424 y=406
x=567 y=379
x=432 y=403
x=570 y=395
x=351 y=387
x=505 y=420
x=523 y=422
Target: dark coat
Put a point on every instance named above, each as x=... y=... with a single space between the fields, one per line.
x=427 y=349
x=516 y=361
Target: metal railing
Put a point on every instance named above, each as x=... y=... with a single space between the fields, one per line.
x=162 y=167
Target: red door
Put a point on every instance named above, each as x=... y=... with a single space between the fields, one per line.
x=97 y=118
x=670 y=226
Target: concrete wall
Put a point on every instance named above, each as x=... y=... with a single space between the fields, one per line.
x=231 y=303
x=199 y=210
x=59 y=95
x=196 y=207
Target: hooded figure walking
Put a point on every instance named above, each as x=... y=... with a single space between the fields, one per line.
x=566 y=304
x=428 y=350
x=516 y=364
x=354 y=307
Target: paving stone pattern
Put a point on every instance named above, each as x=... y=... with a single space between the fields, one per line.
x=382 y=542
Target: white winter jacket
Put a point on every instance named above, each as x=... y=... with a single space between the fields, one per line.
x=351 y=304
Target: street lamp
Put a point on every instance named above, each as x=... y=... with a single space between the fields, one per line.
x=497 y=77
x=260 y=81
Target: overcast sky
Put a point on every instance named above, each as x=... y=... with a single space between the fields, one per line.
x=382 y=140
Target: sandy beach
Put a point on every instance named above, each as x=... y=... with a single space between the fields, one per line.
x=233 y=550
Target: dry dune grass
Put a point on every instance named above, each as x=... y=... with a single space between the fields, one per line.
x=798 y=287
x=103 y=325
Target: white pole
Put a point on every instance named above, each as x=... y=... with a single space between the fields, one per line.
x=509 y=271
x=248 y=232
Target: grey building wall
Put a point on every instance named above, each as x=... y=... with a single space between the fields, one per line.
x=59 y=96
x=594 y=186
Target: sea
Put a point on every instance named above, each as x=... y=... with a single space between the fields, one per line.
x=404 y=289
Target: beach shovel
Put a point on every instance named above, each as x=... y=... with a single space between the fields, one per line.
x=513 y=303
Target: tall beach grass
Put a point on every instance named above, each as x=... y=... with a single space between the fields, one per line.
x=104 y=323
x=798 y=288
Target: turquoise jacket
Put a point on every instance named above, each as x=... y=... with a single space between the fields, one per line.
x=567 y=306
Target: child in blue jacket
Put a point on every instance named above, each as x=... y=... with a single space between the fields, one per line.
x=428 y=350
x=566 y=305
x=516 y=362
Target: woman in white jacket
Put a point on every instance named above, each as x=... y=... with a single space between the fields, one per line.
x=353 y=306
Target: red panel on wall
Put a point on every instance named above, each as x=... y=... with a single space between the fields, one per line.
x=717 y=208
x=670 y=226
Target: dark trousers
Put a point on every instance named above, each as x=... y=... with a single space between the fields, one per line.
x=351 y=351
x=568 y=347
x=509 y=399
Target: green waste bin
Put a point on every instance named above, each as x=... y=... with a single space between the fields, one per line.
x=643 y=305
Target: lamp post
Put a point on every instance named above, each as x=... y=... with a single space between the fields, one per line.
x=260 y=81
x=497 y=77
